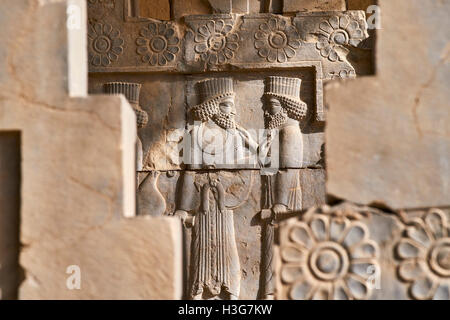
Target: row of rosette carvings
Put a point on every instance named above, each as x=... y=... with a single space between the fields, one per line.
x=228 y=42
x=351 y=252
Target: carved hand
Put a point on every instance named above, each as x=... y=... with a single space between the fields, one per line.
x=186 y=218
x=279 y=209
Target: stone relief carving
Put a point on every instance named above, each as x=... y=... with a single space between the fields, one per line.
x=131 y=91
x=158 y=44
x=105 y=44
x=98 y=9
x=229 y=241
x=325 y=256
x=337 y=32
x=424 y=252
x=276 y=40
x=216 y=43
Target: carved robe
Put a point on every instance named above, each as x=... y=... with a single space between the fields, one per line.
x=215 y=257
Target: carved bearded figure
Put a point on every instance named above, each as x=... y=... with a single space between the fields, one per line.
x=283 y=110
x=214 y=260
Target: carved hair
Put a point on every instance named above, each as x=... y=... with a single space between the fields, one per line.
x=295 y=108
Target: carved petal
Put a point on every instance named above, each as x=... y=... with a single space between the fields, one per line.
x=211 y=26
x=105 y=61
x=213 y=58
x=117 y=50
x=260 y=35
x=410 y=270
x=264 y=52
x=294 y=43
x=201 y=48
x=112 y=56
x=170 y=32
x=319 y=227
x=325 y=26
x=289 y=52
x=337 y=227
x=282 y=25
x=264 y=27
x=343 y=22
x=423 y=288
x=221 y=58
x=355 y=234
x=301 y=290
x=219 y=26
x=152 y=28
x=272 y=57
x=357 y=287
x=442 y=292
x=273 y=24
x=117 y=42
x=98 y=28
x=333 y=56
x=153 y=59
x=96 y=60
x=169 y=56
x=260 y=44
x=233 y=37
x=334 y=22
x=173 y=41
x=281 y=56
x=142 y=50
x=232 y=46
x=436 y=221
x=291 y=253
x=291 y=273
x=419 y=233
x=227 y=28
x=341 y=291
x=301 y=235
x=162 y=29
x=107 y=28
x=228 y=53
x=366 y=249
x=162 y=61
x=173 y=49
x=407 y=248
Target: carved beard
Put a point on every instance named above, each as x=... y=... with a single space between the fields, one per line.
x=274 y=121
x=224 y=120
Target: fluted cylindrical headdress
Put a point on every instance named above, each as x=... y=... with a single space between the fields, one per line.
x=210 y=92
x=129 y=90
x=287 y=90
x=215 y=87
x=283 y=86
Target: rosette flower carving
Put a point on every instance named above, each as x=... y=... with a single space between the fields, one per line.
x=276 y=41
x=158 y=44
x=337 y=32
x=328 y=257
x=105 y=44
x=215 y=42
x=425 y=256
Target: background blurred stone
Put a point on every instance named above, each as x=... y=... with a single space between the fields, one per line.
x=388 y=136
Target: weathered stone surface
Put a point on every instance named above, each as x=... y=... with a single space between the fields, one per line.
x=390 y=145
x=77 y=168
x=359 y=4
x=350 y=252
x=313 y=5
x=155 y=9
x=243 y=195
x=221 y=6
x=181 y=8
x=118 y=259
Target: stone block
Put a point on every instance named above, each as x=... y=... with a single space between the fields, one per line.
x=313 y=5
x=387 y=137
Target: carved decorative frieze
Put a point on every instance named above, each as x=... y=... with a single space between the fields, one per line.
x=326 y=256
x=424 y=252
x=276 y=40
x=216 y=43
x=105 y=44
x=158 y=44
